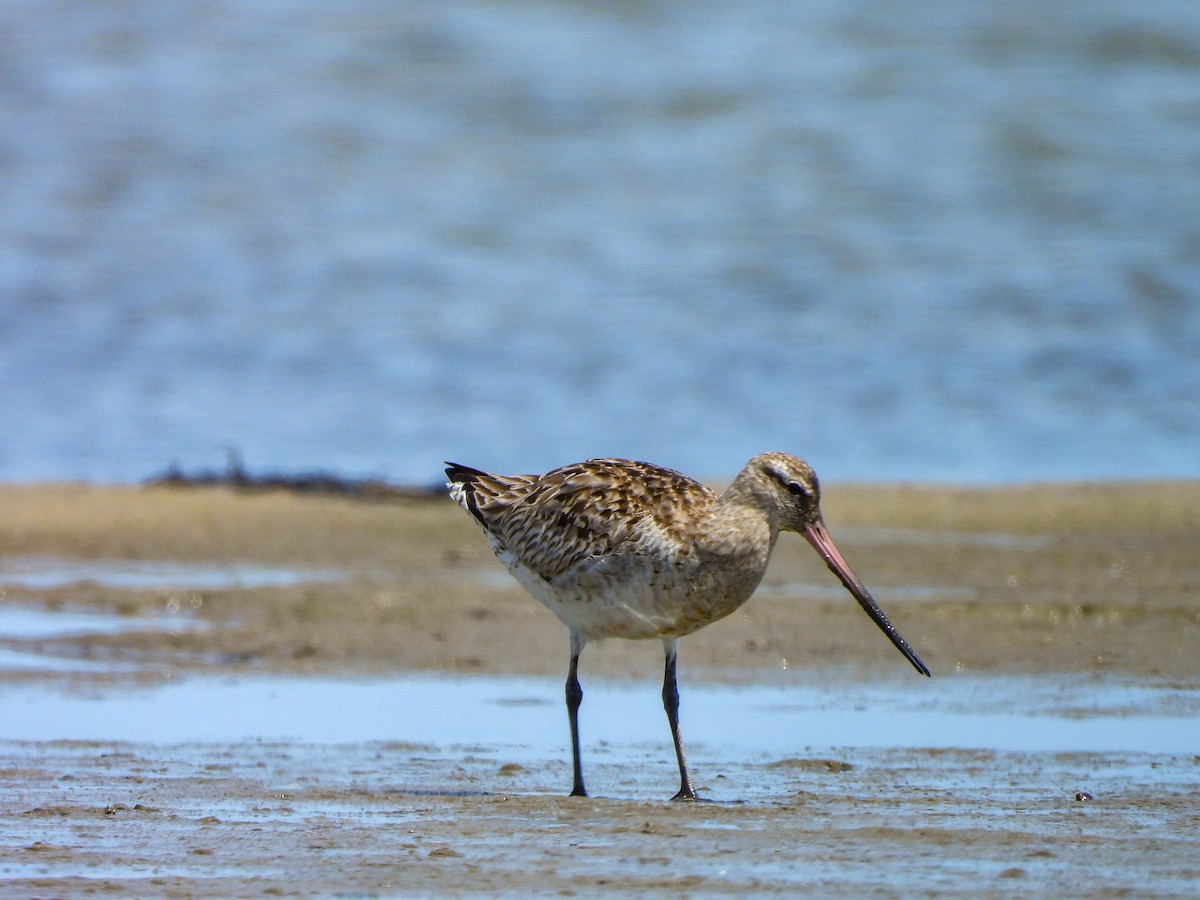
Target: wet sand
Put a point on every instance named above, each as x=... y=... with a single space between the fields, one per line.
x=1091 y=583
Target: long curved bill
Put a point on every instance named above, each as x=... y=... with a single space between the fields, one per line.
x=816 y=535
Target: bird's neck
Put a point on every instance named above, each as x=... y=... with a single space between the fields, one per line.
x=740 y=525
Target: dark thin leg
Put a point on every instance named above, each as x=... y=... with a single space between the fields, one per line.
x=670 y=695
x=574 y=698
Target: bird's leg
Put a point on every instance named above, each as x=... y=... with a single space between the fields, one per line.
x=574 y=698
x=670 y=695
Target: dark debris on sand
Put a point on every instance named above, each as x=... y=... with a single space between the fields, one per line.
x=236 y=477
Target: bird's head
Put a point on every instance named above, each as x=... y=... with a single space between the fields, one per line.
x=788 y=487
x=787 y=490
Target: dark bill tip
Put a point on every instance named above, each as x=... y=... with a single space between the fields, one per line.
x=818 y=536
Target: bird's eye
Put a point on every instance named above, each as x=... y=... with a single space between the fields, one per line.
x=795 y=487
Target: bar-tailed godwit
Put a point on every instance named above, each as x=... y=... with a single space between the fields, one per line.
x=632 y=550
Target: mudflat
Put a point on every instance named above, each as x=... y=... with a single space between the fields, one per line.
x=1089 y=583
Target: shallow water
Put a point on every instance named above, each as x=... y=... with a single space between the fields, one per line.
x=37 y=622
x=39 y=662
x=42 y=572
x=25 y=628
x=526 y=716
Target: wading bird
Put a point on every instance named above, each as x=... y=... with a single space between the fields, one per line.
x=625 y=549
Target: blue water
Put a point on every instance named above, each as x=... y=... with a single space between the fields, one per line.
x=907 y=240
x=1032 y=716
x=41 y=573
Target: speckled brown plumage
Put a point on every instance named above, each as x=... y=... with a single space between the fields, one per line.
x=552 y=523
x=617 y=548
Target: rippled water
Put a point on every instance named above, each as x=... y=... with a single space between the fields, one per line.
x=906 y=240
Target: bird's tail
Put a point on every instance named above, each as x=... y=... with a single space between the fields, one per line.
x=463 y=481
x=460 y=474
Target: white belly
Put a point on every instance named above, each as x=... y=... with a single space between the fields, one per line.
x=634 y=598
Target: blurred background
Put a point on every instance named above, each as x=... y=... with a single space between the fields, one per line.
x=906 y=239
